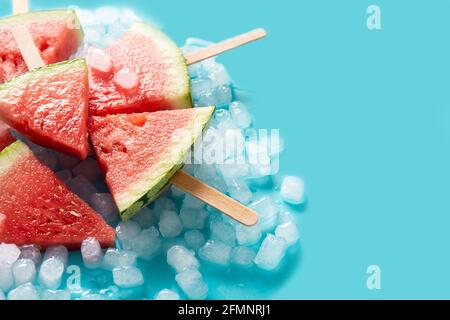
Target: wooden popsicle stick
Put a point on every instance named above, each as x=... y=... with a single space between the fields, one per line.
x=215 y=198
x=27 y=47
x=20 y=6
x=224 y=46
x=25 y=42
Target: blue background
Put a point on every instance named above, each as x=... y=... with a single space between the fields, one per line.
x=366 y=119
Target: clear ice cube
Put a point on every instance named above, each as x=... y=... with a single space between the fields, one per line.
x=289 y=232
x=24 y=270
x=192 y=284
x=167 y=294
x=271 y=253
x=91 y=252
x=216 y=253
x=242 y=257
x=127 y=277
x=180 y=259
x=25 y=291
x=114 y=258
x=194 y=239
x=50 y=273
x=293 y=190
x=170 y=225
x=9 y=253
x=193 y=219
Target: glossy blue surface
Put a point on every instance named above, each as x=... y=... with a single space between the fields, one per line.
x=366 y=119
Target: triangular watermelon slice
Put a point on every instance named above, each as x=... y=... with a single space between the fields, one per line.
x=57 y=34
x=139 y=153
x=49 y=106
x=37 y=208
x=160 y=67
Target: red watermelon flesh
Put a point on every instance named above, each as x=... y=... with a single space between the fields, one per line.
x=5 y=136
x=37 y=208
x=57 y=34
x=49 y=106
x=140 y=152
x=160 y=67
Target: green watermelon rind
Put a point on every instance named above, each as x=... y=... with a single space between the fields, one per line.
x=41 y=16
x=131 y=201
x=11 y=155
x=11 y=87
x=179 y=89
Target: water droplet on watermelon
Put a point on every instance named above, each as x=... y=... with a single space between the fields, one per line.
x=126 y=80
x=99 y=61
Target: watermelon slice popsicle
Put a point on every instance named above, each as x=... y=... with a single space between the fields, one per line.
x=145 y=71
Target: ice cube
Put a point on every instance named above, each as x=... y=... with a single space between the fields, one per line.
x=270 y=253
x=2 y=296
x=147 y=244
x=92 y=253
x=248 y=236
x=170 y=224
x=55 y=295
x=193 y=219
x=216 y=253
x=64 y=175
x=191 y=202
x=67 y=162
x=49 y=159
x=126 y=231
x=219 y=76
x=239 y=190
x=234 y=143
x=25 y=291
x=222 y=95
x=9 y=253
x=50 y=273
x=180 y=259
x=127 y=277
x=24 y=270
x=242 y=257
x=192 y=284
x=82 y=187
x=220 y=116
x=99 y=61
x=163 y=204
x=223 y=232
x=126 y=80
x=267 y=210
x=293 y=190
x=59 y=252
x=194 y=239
x=145 y=217
x=107 y=15
x=200 y=87
x=167 y=294
x=240 y=114
x=176 y=192
x=114 y=258
x=6 y=277
x=234 y=168
x=104 y=204
x=94 y=33
x=89 y=169
x=289 y=232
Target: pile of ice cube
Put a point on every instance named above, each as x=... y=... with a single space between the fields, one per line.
x=187 y=234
